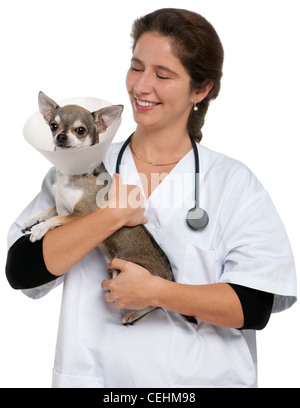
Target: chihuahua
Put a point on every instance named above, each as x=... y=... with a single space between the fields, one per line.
x=74 y=127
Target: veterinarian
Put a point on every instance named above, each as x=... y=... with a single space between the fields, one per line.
x=230 y=274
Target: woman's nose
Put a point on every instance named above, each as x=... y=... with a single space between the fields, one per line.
x=144 y=83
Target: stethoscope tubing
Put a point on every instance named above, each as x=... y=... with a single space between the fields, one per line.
x=197 y=173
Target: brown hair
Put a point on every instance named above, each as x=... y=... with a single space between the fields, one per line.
x=198 y=47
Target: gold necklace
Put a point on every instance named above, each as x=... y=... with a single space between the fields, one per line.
x=149 y=162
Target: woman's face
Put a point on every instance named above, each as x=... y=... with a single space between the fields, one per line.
x=158 y=85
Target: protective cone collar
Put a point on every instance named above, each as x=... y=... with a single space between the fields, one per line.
x=70 y=162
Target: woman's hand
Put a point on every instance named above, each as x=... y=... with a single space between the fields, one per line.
x=131 y=289
x=135 y=288
x=128 y=202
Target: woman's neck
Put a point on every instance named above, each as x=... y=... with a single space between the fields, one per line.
x=161 y=145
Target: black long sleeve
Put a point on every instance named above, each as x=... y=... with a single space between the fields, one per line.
x=25 y=266
x=257 y=306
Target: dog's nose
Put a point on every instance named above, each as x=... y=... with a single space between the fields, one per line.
x=61 y=138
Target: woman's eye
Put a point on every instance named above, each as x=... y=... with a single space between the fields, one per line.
x=53 y=126
x=135 y=69
x=80 y=130
x=161 y=77
x=157 y=75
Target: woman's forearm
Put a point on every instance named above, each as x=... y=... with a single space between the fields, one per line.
x=213 y=303
x=64 y=246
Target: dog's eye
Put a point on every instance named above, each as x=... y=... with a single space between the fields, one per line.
x=80 y=130
x=53 y=126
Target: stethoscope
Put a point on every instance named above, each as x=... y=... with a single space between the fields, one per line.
x=196 y=217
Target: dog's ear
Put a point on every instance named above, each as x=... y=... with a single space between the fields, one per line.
x=106 y=116
x=47 y=106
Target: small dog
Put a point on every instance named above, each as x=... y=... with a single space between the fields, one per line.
x=74 y=127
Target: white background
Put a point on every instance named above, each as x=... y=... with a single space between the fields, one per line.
x=82 y=48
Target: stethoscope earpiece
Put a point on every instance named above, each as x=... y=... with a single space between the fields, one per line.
x=196 y=217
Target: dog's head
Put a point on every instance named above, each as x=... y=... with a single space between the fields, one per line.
x=74 y=127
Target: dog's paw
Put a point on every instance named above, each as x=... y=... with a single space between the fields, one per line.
x=134 y=315
x=38 y=232
x=28 y=225
x=113 y=273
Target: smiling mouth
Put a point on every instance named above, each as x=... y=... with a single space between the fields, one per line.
x=146 y=104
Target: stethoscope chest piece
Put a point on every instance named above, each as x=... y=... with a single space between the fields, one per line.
x=197 y=218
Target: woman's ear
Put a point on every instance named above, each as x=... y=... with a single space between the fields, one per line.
x=203 y=92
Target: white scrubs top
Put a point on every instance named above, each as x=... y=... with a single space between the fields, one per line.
x=244 y=243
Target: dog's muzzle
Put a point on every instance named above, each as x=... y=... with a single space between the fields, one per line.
x=61 y=140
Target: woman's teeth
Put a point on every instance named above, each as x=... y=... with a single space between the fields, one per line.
x=146 y=104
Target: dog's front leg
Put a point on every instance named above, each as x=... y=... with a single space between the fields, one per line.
x=43 y=216
x=50 y=224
